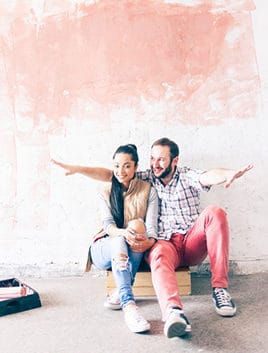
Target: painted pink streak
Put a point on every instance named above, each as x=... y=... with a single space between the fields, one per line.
x=114 y=52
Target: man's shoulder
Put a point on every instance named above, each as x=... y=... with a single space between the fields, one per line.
x=144 y=183
x=145 y=175
x=183 y=169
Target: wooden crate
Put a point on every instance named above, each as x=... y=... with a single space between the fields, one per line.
x=143 y=286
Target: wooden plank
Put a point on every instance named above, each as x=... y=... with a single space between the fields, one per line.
x=143 y=283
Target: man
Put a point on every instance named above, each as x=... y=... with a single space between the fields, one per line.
x=185 y=236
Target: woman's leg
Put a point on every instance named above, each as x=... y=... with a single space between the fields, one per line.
x=113 y=252
x=100 y=252
x=123 y=263
x=135 y=259
x=137 y=226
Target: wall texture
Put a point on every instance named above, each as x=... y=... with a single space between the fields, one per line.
x=78 y=78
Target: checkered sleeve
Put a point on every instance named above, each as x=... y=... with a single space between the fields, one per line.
x=193 y=176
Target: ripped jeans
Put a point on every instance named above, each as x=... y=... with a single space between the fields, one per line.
x=115 y=253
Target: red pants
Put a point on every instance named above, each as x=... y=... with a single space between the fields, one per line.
x=209 y=235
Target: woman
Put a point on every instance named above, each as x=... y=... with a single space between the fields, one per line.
x=129 y=209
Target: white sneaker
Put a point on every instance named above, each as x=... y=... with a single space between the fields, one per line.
x=134 y=320
x=113 y=301
x=176 y=324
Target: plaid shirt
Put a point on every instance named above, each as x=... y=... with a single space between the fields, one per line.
x=179 y=200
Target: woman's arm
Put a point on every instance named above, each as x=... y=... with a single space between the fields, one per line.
x=108 y=222
x=138 y=244
x=98 y=173
x=151 y=222
x=221 y=175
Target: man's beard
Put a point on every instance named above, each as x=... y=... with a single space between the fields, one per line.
x=165 y=172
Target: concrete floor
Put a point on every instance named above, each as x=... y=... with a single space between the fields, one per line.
x=72 y=319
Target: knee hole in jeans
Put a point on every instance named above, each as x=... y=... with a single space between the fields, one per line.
x=121 y=262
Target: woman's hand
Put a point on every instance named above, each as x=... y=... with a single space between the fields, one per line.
x=70 y=169
x=138 y=242
x=98 y=173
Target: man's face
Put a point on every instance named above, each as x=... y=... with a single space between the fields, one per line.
x=161 y=164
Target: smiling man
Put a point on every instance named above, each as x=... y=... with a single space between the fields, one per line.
x=185 y=236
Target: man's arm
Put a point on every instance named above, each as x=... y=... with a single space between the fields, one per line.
x=98 y=173
x=223 y=176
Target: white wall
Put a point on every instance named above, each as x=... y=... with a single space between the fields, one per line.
x=60 y=247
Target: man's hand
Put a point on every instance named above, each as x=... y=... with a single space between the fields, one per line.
x=224 y=176
x=235 y=174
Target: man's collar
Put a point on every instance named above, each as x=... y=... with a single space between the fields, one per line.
x=175 y=175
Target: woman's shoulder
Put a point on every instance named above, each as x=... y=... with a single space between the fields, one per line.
x=144 y=184
x=105 y=190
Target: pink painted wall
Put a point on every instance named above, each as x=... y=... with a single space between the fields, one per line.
x=116 y=51
x=62 y=62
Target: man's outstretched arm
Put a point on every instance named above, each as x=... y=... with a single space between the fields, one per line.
x=223 y=176
x=98 y=173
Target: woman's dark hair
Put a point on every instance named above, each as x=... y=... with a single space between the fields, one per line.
x=173 y=147
x=116 y=196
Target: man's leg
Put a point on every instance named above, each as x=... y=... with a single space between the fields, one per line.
x=209 y=236
x=164 y=258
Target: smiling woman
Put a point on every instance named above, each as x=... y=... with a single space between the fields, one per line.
x=125 y=164
x=129 y=208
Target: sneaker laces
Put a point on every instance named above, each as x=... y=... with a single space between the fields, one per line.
x=223 y=297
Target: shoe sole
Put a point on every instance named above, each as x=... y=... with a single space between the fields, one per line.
x=225 y=313
x=112 y=306
x=177 y=329
x=140 y=330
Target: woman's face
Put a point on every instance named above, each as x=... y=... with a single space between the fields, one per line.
x=124 y=168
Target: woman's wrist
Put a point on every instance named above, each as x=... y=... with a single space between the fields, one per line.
x=154 y=240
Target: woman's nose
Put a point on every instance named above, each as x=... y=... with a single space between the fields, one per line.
x=120 y=170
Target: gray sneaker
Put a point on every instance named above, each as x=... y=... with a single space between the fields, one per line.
x=177 y=324
x=224 y=304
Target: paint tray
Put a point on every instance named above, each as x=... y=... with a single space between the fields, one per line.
x=16 y=296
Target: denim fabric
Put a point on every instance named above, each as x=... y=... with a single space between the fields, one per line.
x=104 y=254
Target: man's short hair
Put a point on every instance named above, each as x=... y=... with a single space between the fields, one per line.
x=173 y=147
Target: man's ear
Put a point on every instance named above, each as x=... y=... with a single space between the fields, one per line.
x=175 y=160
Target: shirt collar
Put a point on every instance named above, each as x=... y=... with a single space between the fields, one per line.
x=174 y=178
